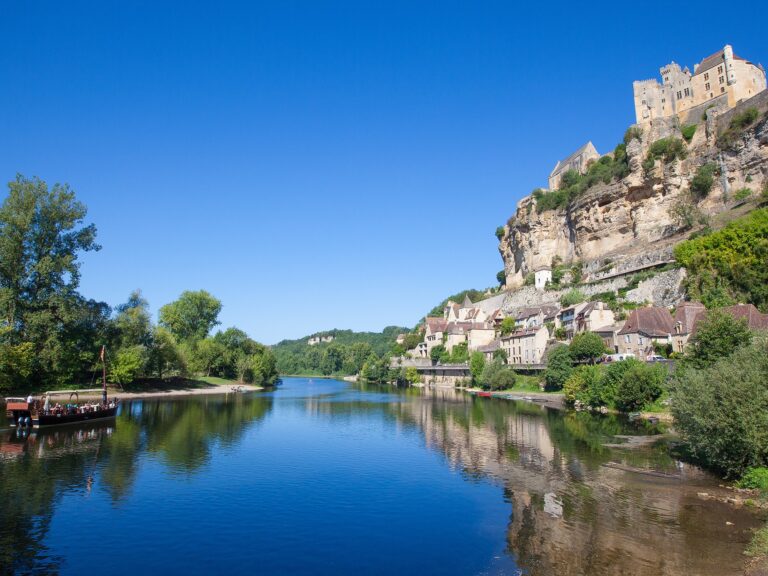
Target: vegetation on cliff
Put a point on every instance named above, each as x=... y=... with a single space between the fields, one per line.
x=729 y=266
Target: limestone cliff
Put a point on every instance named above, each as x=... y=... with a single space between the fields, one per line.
x=626 y=225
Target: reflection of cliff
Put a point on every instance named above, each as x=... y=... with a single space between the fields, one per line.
x=571 y=514
x=37 y=469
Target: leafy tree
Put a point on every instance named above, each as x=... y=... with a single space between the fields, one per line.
x=559 y=368
x=133 y=322
x=459 y=353
x=497 y=376
x=720 y=410
x=641 y=384
x=209 y=356
x=165 y=356
x=501 y=277
x=128 y=364
x=703 y=180
x=16 y=361
x=500 y=354
x=438 y=353
x=192 y=316
x=476 y=365
x=507 y=326
x=412 y=375
x=333 y=358
x=717 y=335
x=587 y=347
x=585 y=384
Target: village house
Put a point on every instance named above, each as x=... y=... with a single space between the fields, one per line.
x=721 y=80
x=685 y=321
x=526 y=346
x=592 y=316
x=567 y=318
x=480 y=334
x=535 y=316
x=644 y=328
x=578 y=161
x=609 y=335
x=488 y=350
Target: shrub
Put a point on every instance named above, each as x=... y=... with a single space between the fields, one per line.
x=743 y=119
x=755 y=478
x=573 y=296
x=501 y=277
x=500 y=232
x=560 y=333
x=530 y=279
x=717 y=335
x=702 y=182
x=685 y=214
x=507 y=326
x=459 y=353
x=412 y=375
x=633 y=132
x=585 y=385
x=438 y=353
x=688 y=132
x=587 y=347
x=559 y=368
x=641 y=384
x=497 y=376
x=500 y=354
x=720 y=410
x=667 y=149
x=742 y=194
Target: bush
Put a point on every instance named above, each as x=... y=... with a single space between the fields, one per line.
x=438 y=353
x=742 y=194
x=497 y=376
x=718 y=335
x=477 y=365
x=685 y=214
x=587 y=347
x=720 y=411
x=559 y=368
x=412 y=375
x=668 y=149
x=571 y=297
x=755 y=478
x=507 y=326
x=585 y=385
x=688 y=132
x=702 y=182
x=459 y=353
x=641 y=384
x=500 y=232
x=743 y=119
x=501 y=277
x=632 y=133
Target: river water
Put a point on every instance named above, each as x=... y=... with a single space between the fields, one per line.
x=327 y=477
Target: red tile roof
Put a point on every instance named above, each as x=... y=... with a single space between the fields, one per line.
x=652 y=321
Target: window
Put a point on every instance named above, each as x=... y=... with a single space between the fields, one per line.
x=719 y=69
x=643 y=102
x=722 y=80
x=626 y=338
x=687 y=92
x=640 y=340
x=679 y=95
x=722 y=89
x=706 y=75
x=663 y=100
x=706 y=86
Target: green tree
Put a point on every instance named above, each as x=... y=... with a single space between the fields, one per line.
x=587 y=347
x=717 y=335
x=459 y=353
x=559 y=368
x=476 y=365
x=585 y=385
x=333 y=358
x=500 y=354
x=640 y=385
x=133 y=322
x=412 y=375
x=720 y=410
x=501 y=277
x=573 y=296
x=497 y=376
x=209 y=356
x=165 y=357
x=438 y=353
x=192 y=316
x=507 y=326
x=128 y=364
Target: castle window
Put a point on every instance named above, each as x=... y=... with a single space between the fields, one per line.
x=722 y=89
x=687 y=92
x=722 y=79
x=706 y=86
x=679 y=94
x=719 y=69
x=663 y=100
x=706 y=75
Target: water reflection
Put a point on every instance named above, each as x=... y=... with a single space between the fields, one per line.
x=579 y=506
x=40 y=466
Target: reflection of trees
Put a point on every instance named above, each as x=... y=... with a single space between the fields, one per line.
x=36 y=471
x=574 y=510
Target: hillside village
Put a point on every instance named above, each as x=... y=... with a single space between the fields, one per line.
x=594 y=252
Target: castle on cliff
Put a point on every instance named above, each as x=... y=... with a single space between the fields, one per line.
x=721 y=80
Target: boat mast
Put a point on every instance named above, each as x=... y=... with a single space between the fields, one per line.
x=103 y=376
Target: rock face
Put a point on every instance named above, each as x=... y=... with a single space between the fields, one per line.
x=624 y=226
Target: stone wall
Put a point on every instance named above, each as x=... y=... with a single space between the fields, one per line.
x=723 y=119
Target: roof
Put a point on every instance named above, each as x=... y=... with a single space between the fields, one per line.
x=435 y=324
x=546 y=311
x=652 y=321
x=525 y=333
x=606 y=329
x=713 y=60
x=492 y=347
x=686 y=315
x=467 y=302
x=754 y=318
x=566 y=161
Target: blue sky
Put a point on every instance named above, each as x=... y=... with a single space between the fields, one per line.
x=321 y=164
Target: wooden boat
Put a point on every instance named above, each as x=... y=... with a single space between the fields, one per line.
x=484 y=394
x=34 y=412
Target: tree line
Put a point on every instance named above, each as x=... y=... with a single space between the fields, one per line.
x=51 y=335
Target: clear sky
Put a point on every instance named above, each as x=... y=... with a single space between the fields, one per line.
x=322 y=164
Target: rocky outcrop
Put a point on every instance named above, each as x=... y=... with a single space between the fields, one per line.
x=618 y=228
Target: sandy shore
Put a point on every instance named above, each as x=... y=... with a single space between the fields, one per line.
x=178 y=390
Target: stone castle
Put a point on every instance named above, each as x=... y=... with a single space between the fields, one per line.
x=721 y=80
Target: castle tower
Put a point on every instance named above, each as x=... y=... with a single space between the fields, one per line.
x=730 y=72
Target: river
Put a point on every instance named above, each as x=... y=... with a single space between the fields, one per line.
x=329 y=477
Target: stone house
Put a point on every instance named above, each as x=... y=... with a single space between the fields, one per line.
x=434 y=330
x=542 y=277
x=752 y=316
x=480 y=334
x=723 y=79
x=567 y=318
x=609 y=336
x=578 y=161
x=536 y=316
x=319 y=339
x=645 y=327
x=526 y=346
x=685 y=321
x=592 y=316
x=488 y=349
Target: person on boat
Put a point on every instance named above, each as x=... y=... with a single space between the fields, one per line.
x=30 y=398
x=47 y=405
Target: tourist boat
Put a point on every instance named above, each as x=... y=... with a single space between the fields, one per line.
x=34 y=412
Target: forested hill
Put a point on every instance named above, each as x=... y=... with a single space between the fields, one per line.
x=344 y=355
